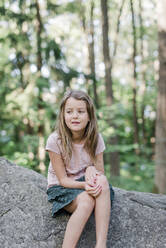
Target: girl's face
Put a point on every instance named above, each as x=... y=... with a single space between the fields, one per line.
x=76 y=115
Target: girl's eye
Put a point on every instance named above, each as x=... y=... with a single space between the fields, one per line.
x=79 y=111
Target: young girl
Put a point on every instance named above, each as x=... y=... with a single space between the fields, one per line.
x=76 y=180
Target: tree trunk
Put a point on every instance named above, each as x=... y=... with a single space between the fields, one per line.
x=39 y=31
x=114 y=156
x=92 y=55
x=134 y=86
x=106 y=53
x=89 y=32
x=117 y=31
x=143 y=69
x=160 y=149
x=41 y=150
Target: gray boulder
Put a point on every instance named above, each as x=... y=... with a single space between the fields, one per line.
x=138 y=220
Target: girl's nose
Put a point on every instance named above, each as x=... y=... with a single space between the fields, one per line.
x=75 y=114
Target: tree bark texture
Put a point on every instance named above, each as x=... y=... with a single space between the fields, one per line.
x=134 y=86
x=160 y=151
x=114 y=156
x=89 y=32
x=39 y=31
x=92 y=54
x=106 y=53
x=143 y=71
x=117 y=31
x=41 y=150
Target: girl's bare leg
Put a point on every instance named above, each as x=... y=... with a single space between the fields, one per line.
x=102 y=212
x=81 y=208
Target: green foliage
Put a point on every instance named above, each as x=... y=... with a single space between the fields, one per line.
x=52 y=46
x=135 y=178
x=53 y=8
x=42 y=83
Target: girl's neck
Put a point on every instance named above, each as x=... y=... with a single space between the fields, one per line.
x=77 y=138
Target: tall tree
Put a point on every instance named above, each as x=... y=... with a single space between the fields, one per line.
x=160 y=151
x=114 y=156
x=143 y=70
x=39 y=28
x=38 y=34
x=92 y=53
x=117 y=31
x=134 y=85
x=88 y=28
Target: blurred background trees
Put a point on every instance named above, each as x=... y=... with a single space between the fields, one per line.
x=107 y=48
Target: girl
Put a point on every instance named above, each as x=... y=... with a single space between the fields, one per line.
x=76 y=180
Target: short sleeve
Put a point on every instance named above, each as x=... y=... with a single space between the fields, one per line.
x=52 y=143
x=100 y=146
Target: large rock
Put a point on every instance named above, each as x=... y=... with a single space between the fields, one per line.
x=138 y=220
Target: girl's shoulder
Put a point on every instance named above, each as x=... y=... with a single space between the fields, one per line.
x=100 y=137
x=54 y=135
x=53 y=143
x=100 y=144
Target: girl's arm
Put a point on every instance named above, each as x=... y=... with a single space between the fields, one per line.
x=99 y=163
x=60 y=172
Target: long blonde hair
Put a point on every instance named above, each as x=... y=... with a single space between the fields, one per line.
x=91 y=132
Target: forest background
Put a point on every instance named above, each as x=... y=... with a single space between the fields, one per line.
x=109 y=49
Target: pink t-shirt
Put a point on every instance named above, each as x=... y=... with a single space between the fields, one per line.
x=79 y=161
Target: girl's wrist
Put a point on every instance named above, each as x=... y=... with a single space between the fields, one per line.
x=83 y=185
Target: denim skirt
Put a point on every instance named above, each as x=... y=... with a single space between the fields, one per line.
x=61 y=196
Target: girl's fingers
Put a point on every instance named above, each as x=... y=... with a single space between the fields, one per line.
x=91 y=180
x=88 y=187
x=96 y=193
x=94 y=190
x=90 y=183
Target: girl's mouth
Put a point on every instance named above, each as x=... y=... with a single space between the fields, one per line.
x=75 y=122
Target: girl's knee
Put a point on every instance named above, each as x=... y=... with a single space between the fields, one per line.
x=102 y=180
x=85 y=201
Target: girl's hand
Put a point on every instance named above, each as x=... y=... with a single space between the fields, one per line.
x=93 y=190
x=90 y=175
